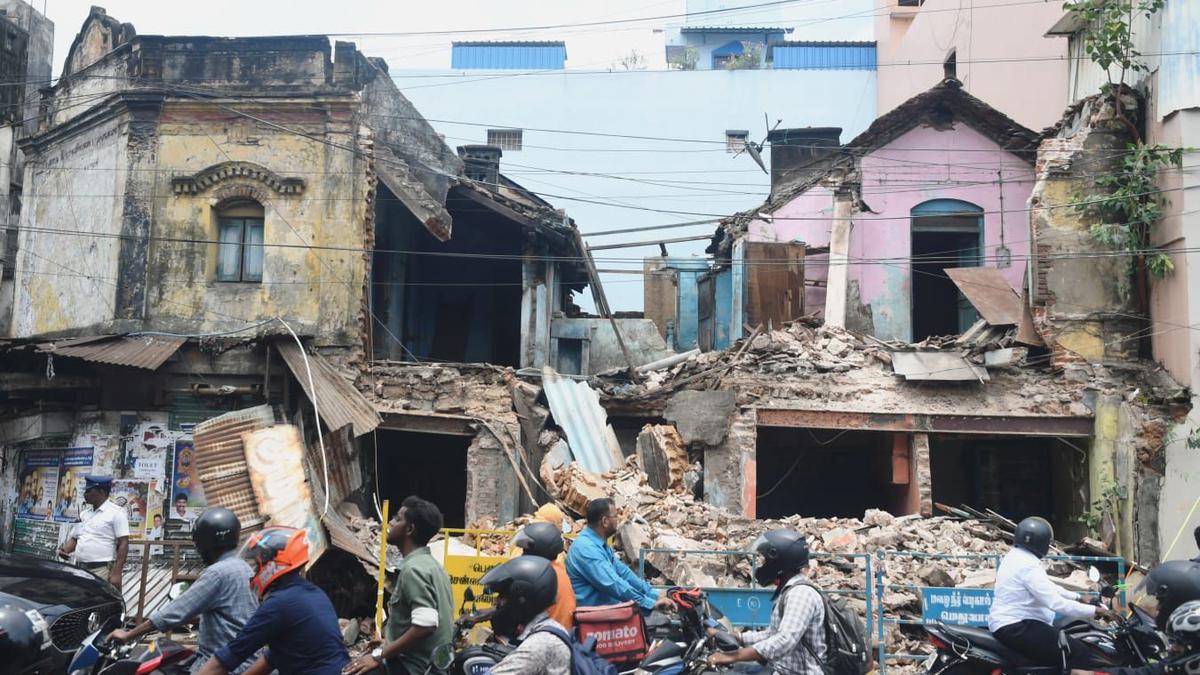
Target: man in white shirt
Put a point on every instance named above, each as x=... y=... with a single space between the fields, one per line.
x=100 y=541
x=1026 y=601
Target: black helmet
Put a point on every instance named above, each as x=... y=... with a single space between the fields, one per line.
x=1034 y=535
x=784 y=553
x=216 y=531
x=541 y=539
x=528 y=585
x=22 y=641
x=1167 y=587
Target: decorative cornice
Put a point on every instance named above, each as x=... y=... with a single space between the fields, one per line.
x=239 y=171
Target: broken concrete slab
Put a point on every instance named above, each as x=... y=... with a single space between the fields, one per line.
x=662 y=456
x=702 y=416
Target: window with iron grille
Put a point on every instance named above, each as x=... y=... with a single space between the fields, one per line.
x=240 y=243
x=505 y=139
x=735 y=140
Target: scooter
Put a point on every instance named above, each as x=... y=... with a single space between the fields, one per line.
x=962 y=650
x=683 y=649
x=98 y=655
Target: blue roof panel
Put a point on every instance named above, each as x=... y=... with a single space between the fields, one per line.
x=824 y=56
x=509 y=56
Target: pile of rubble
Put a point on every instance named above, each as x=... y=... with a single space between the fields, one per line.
x=672 y=519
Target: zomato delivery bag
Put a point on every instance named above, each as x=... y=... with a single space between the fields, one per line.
x=619 y=630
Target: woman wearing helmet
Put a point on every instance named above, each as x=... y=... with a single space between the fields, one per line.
x=296 y=621
x=1022 y=613
x=221 y=596
x=525 y=587
x=795 y=642
x=544 y=540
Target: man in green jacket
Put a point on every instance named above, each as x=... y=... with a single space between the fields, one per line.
x=420 y=609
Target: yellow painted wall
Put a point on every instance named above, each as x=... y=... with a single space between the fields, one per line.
x=317 y=291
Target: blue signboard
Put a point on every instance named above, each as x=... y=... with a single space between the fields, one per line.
x=958 y=606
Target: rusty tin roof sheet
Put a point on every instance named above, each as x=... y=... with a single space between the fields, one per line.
x=337 y=400
x=149 y=351
x=991 y=295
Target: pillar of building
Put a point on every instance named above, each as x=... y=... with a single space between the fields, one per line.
x=730 y=469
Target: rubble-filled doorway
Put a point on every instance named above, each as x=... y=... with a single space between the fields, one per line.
x=432 y=466
x=946 y=233
x=1013 y=476
x=825 y=473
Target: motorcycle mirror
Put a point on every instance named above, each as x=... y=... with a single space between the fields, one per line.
x=468 y=595
x=1093 y=574
x=443 y=657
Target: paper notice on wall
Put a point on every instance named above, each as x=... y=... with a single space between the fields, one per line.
x=133 y=496
x=148 y=451
x=187 y=492
x=38 y=484
x=76 y=462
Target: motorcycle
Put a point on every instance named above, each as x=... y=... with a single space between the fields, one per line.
x=681 y=645
x=98 y=655
x=1130 y=642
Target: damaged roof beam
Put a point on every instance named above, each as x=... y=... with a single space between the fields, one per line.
x=992 y=425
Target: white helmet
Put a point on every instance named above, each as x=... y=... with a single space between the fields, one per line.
x=1184 y=625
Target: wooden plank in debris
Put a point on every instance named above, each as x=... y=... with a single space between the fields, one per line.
x=987 y=290
x=774 y=282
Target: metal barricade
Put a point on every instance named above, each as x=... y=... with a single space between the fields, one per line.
x=751 y=607
x=971 y=603
x=151 y=568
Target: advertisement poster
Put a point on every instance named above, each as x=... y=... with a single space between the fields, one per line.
x=76 y=462
x=187 y=494
x=38 y=484
x=133 y=496
x=148 y=451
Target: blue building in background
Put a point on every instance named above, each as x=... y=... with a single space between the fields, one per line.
x=636 y=145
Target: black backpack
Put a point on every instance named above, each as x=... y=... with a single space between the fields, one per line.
x=846 y=649
x=584 y=659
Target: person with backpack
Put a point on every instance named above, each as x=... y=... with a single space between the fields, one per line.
x=525 y=587
x=795 y=642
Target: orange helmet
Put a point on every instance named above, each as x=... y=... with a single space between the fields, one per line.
x=274 y=552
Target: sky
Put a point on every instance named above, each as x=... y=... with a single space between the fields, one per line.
x=597 y=47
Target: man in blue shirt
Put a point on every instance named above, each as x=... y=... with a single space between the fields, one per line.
x=596 y=574
x=221 y=597
x=296 y=621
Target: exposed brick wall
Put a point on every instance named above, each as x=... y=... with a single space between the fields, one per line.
x=730 y=469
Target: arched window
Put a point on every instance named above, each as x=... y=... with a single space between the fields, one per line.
x=240 y=241
x=946 y=233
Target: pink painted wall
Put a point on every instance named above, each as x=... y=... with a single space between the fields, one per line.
x=921 y=165
x=1007 y=62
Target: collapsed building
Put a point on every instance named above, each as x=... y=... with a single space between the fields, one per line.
x=223 y=234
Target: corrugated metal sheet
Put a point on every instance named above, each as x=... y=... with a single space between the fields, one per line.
x=338 y=402
x=576 y=409
x=508 y=56
x=936 y=366
x=988 y=291
x=824 y=56
x=221 y=460
x=147 y=352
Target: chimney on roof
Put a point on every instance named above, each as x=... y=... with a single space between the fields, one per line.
x=482 y=163
x=795 y=153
